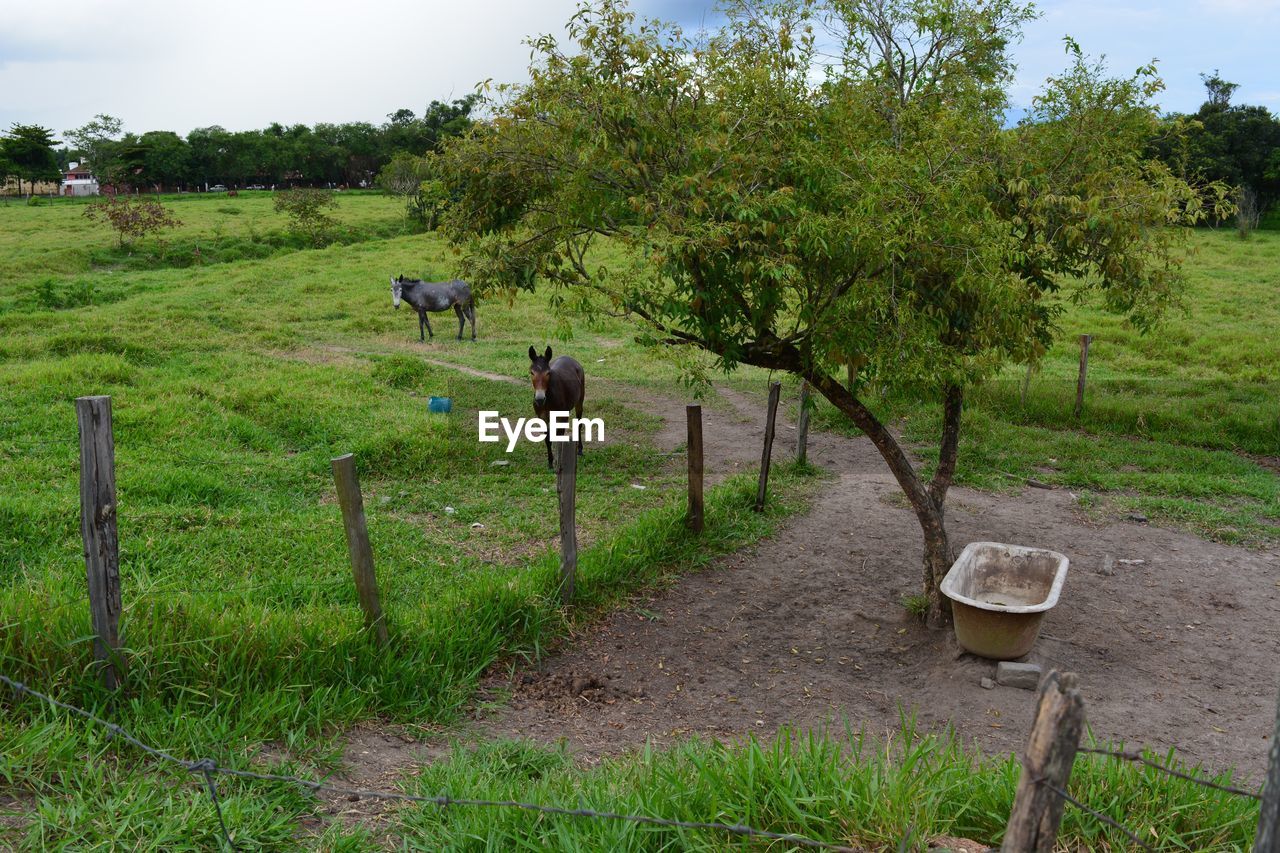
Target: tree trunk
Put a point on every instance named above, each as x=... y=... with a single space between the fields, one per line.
x=927 y=501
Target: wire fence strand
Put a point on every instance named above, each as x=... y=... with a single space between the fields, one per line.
x=1139 y=758
x=1133 y=836
x=207 y=767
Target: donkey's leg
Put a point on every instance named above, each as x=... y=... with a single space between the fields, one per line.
x=471 y=315
x=578 y=414
x=422 y=318
x=462 y=320
x=427 y=320
x=550 y=461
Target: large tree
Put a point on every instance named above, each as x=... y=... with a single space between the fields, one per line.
x=823 y=184
x=29 y=151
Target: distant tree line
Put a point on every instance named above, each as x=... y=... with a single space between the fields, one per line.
x=1237 y=144
x=348 y=154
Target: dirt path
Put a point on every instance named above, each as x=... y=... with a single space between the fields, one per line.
x=1178 y=647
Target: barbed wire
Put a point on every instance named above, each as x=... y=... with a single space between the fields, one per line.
x=207 y=767
x=1133 y=836
x=1142 y=759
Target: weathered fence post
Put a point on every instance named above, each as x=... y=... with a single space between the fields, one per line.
x=1268 y=838
x=694 y=450
x=1084 y=369
x=775 y=389
x=348 y=485
x=99 y=532
x=802 y=426
x=1051 y=751
x=567 y=489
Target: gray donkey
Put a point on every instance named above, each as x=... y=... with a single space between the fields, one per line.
x=427 y=296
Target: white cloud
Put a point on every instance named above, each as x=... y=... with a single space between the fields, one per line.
x=179 y=64
x=246 y=63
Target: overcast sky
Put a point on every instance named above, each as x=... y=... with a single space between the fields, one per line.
x=179 y=64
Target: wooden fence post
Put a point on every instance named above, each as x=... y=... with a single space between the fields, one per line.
x=1268 y=838
x=348 y=485
x=1051 y=751
x=567 y=489
x=99 y=533
x=802 y=426
x=1084 y=369
x=775 y=389
x=694 y=451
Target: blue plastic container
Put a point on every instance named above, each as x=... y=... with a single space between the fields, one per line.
x=440 y=405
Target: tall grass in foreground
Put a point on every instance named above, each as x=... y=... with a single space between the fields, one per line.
x=235 y=678
x=840 y=787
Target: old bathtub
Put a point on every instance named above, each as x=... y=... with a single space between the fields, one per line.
x=999 y=596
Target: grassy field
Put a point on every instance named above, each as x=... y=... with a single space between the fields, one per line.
x=238 y=373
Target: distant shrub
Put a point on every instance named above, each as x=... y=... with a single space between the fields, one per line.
x=305 y=207
x=1247 y=212
x=35 y=201
x=47 y=295
x=426 y=206
x=132 y=217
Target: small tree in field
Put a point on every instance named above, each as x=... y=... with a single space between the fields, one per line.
x=132 y=217
x=827 y=184
x=305 y=207
x=26 y=150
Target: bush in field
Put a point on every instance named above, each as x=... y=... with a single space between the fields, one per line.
x=305 y=207
x=411 y=178
x=1247 y=213
x=132 y=217
x=428 y=204
x=402 y=174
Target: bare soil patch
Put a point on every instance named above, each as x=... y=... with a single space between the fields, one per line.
x=377 y=757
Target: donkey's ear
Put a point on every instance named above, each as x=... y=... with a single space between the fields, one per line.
x=533 y=354
x=547 y=354
x=393 y=281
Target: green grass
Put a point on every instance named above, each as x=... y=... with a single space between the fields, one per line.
x=235 y=382
x=837 y=787
x=53 y=256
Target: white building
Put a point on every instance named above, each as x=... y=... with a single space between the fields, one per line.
x=79 y=180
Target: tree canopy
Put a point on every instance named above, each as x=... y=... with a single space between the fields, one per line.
x=826 y=183
x=28 y=152
x=1236 y=144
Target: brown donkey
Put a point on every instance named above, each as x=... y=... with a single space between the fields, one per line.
x=558 y=386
